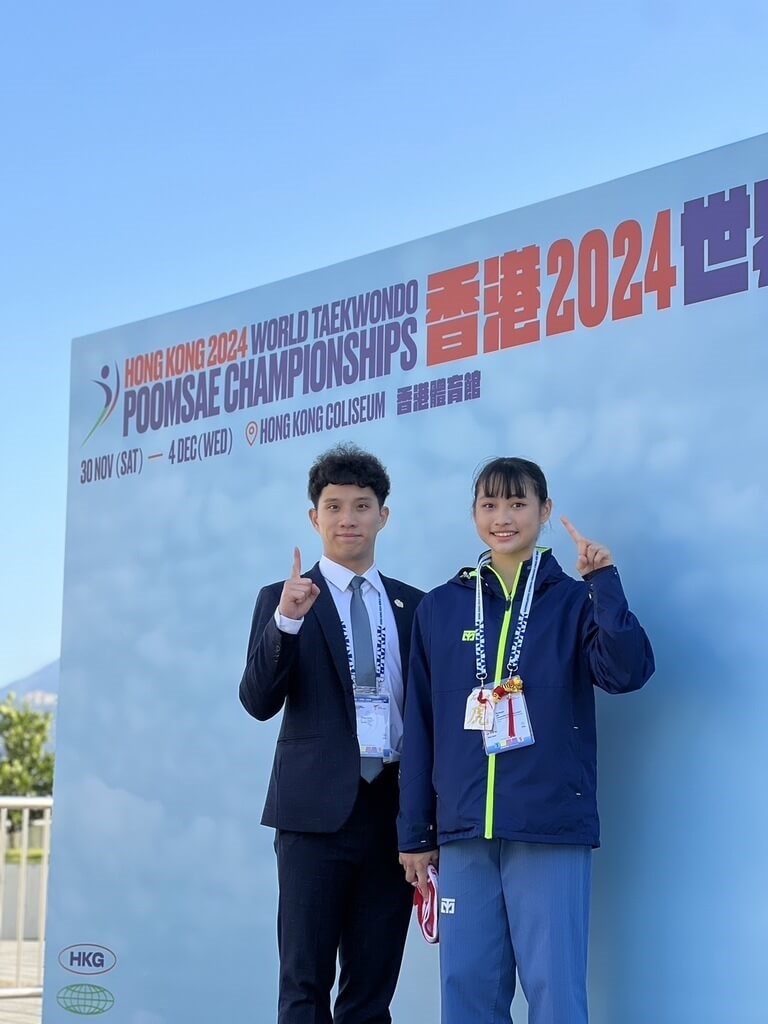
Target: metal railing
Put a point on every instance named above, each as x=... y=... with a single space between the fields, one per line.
x=25 y=884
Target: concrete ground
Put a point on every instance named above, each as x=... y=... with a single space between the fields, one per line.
x=27 y=1009
x=21 y=1011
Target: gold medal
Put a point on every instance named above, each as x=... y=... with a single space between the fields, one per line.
x=513 y=685
x=506 y=689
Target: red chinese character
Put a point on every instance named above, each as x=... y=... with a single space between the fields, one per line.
x=453 y=302
x=512 y=299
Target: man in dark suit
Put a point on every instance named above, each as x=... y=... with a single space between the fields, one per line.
x=331 y=648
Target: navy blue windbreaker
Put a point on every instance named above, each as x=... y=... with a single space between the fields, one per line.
x=580 y=634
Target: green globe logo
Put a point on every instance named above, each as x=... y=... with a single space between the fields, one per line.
x=85 y=1000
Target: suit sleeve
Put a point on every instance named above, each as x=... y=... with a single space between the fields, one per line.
x=616 y=647
x=272 y=656
x=417 y=826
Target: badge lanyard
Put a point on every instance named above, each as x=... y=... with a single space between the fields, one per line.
x=378 y=654
x=520 y=628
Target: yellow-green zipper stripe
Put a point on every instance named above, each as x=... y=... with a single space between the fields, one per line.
x=491 y=783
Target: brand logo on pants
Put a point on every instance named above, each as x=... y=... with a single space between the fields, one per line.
x=447 y=906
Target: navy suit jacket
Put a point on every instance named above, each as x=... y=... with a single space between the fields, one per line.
x=316 y=770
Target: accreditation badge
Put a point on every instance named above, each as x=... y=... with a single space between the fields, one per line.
x=373 y=716
x=511 y=722
x=479 y=710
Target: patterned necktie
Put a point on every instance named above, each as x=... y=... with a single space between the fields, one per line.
x=365 y=666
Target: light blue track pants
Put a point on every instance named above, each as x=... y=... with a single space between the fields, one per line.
x=506 y=906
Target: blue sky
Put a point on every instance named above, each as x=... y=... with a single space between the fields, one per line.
x=158 y=155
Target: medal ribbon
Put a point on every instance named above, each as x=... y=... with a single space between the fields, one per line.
x=520 y=628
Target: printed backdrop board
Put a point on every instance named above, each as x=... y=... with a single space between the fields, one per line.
x=618 y=337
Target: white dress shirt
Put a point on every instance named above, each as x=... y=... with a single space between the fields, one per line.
x=338 y=578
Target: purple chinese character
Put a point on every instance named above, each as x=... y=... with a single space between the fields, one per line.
x=437 y=392
x=420 y=396
x=714 y=233
x=404 y=400
x=455 y=389
x=760 y=251
x=471 y=385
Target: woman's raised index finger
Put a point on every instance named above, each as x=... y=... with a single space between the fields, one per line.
x=572 y=529
x=296 y=563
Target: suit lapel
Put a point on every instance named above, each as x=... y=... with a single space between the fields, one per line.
x=403 y=620
x=330 y=624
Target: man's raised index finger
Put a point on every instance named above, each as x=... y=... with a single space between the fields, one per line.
x=296 y=563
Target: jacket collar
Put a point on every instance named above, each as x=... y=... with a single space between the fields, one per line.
x=340 y=576
x=549 y=572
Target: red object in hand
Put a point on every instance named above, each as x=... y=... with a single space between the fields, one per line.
x=427 y=907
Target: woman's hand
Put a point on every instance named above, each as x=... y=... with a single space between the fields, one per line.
x=591 y=555
x=416 y=865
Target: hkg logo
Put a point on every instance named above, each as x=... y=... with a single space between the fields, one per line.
x=87 y=958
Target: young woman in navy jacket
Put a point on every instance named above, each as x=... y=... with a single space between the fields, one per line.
x=499 y=755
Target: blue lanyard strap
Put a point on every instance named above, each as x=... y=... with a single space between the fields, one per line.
x=522 y=619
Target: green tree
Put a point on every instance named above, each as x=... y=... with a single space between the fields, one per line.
x=26 y=767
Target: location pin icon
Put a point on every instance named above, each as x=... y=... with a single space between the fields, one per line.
x=251 y=432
